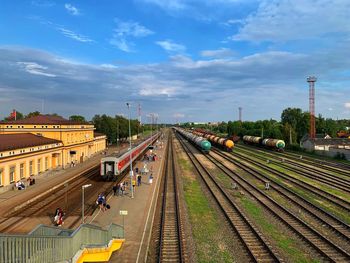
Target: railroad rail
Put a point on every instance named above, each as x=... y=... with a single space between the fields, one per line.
x=171 y=247
x=339 y=231
x=325 y=248
x=256 y=246
x=315 y=174
x=329 y=197
x=335 y=167
x=14 y=219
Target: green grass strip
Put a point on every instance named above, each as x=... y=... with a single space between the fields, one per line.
x=206 y=226
x=288 y=245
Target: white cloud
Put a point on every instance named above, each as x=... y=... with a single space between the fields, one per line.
x=35 y=68
x=73 y=35
x=218 y=53
x=72 y=9
x=168 y=4
x=347 y=105
x=170 y=46
x=178 y=115
x=126 y=30
x=283 y=20
x=184 y=84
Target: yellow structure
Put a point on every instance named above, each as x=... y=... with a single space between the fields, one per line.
x=102 y=254
x=56 y=142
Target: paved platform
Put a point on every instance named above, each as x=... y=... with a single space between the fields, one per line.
x=140 y=209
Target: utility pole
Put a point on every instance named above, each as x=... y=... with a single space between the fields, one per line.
x=240 y=113
x=131 y=171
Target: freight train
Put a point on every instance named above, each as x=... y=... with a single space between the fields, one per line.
x=220 y=142
x=112 y=166
x=202 y=143
x=266 y=142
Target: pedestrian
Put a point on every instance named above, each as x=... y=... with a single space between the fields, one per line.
x=150 y=179
x=123 y=188
x=133 y=184
x=115 y=188
x=139 y=178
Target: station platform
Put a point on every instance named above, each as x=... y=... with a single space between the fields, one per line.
x=140 y=212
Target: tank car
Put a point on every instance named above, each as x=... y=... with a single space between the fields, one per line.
x=274 y=143
x=266 y=142
x=202 y=143
x=223 y=143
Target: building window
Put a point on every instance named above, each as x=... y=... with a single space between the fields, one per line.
x=21 y=170
x=39 y=166
x=12 y=174
x=31 y=168
x=1 y=177
x=46 y=163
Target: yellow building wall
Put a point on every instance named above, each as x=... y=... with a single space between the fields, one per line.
x=16 y=161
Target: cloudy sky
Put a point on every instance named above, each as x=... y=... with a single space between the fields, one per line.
x=190 y=60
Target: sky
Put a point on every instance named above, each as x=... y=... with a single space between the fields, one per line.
x=184 y=60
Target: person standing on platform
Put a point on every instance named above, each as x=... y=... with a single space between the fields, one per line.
x=133 y=184
x=139 y=179
x=115 y=189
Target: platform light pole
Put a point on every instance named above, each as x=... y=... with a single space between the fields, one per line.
x=131 y=171
x=83 y=201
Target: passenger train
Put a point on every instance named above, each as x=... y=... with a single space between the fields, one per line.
x=112 y=166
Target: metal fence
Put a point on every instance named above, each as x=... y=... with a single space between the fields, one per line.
x=52 y=244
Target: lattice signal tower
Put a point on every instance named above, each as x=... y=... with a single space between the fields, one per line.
x=311 y=80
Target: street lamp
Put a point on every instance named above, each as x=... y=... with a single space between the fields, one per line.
x=82 y=191
x=131 y=171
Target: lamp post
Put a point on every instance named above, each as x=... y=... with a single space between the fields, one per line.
x=131 y=171
x=82 y=208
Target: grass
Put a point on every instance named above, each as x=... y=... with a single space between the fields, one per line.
x=289 y=246
x=206 y=226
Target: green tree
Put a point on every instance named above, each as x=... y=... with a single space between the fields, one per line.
x=77 y=118
x=32 y=114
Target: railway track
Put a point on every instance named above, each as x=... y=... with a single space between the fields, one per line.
x=334 y=167
x=340 y=203
x=46 y=205
x=339 y=231
x=257 y=247
x=171 y=236
x=324 y=247
x=312 y=173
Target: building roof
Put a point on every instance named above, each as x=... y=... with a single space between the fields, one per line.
x=44 y=119
x=98 y=134
x=335 y=141
x=23 y=140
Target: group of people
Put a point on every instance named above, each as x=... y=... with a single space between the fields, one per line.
x=119 y=189
x=20 y=185
x=102 y=202
x=58 y=219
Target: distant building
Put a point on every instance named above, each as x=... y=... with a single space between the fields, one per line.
x=324 y=144
x=37 y=144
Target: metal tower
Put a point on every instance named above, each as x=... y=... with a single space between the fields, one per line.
x=240 y=113
x=311 y=80
x=139 y=112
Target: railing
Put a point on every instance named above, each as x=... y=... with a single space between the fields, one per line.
x=51 y=244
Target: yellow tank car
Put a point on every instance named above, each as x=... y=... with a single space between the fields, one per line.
x=229 y=144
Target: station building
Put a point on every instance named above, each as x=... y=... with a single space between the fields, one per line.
x=37 y=144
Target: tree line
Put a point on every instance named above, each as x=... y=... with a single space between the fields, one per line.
x=114 y=127
x=294 y=124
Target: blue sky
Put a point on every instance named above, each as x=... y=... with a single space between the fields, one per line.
x=195 y=60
